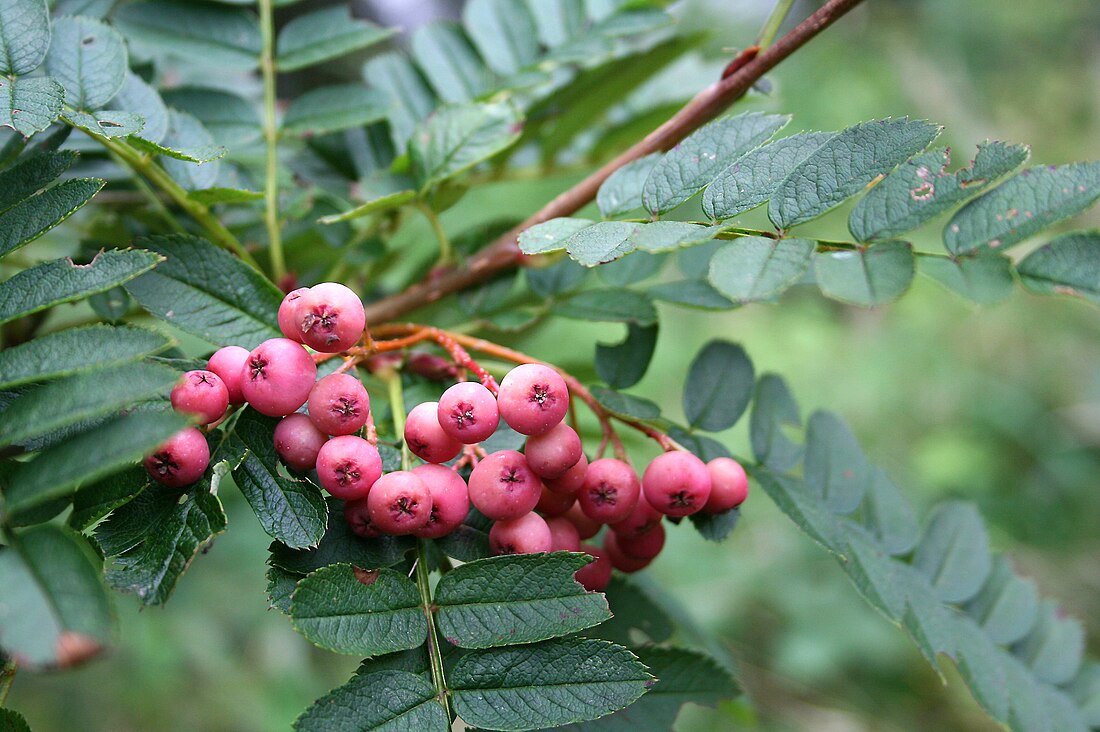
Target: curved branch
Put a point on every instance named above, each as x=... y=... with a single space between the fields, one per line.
x=504 y=253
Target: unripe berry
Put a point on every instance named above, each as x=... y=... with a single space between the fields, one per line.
x=554 y=504
x=563 y=535
x=643 y=546
x=228 y=363
x=289 y=320
x=554 y=452
x=338 y=404
x=595 y=575
x=426 y=438
x=610 y=491
x=586 y=527
x=278 y=377
x=532 y=398
x=503 y=487
x=297 y=440
x=620 y=560
x=181 y=460
x=331 y=318
x=450 y=500
x=571 y=480
x=202 y=394
x=676 y=483
x=468 y=412
x=357 y=514
x=643 y=519
x=399 y=503
x=348 y=466
x=524 y=535
x=729 y=486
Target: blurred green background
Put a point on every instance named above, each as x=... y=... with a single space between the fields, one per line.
x=1000 y=406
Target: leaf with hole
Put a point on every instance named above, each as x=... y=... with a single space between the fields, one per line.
x=106 y=123
x=30 y=105
x=88 y=57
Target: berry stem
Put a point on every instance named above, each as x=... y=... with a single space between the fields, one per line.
x=397 y=406
x=434 y=653
x=271 y=141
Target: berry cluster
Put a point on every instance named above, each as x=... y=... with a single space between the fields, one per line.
x=548 y=497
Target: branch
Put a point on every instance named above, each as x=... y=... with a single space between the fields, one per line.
x=504 y=253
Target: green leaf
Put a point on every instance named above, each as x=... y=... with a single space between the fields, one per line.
x=410 y=100
x=140 y=98
x=953 y=552
x=546 y=684
x=201 y=33
x=88 y=57
x=516 y=599
x=292 y=511
x=384 y=700
x=504 y=32
x=844 y=165
x=95 y=501
x=55 y=611
x=375 y=205
x=200 y=153
x=757 y=268
x=88 y=456
x=626 y=405
x=604 y=241
x=718 y=387
x=334 y=108
x=456 y=138
x=1069 y=265
x=550 y=236
x=323 y=35
x=622 y=191
x=1055 y=646
x=207 y=291
x=229 y=118
x=563 y=276
x=888 y=516
x=622 y=365
x=703 y=447
x=215 y=196
x=921 y=189
x=345 y=609
x=635 y=611
x=339 y=545
x=24 y=36
x=186 y=524
x=715 y=526
x=612 y=304
x=34 y=216
x=1024 y=205
x=470 y=540
x=452 y=67
x=13 y=721
x=52 y=283
x=281 y=585
x=695 y=162
x=189 y=139
x=663 y=236
x=558 y=21
x=690 y=293
x=107 y=123
x=1086 y=692
x=683 y=677
x=867 y=277
x=836 y=469
x=753 y=178
x=30 y=105
x=985 y=278
x=76 y=350
x=773 y=409
x=31 y=174
x=1007 y=607
x=71 y=400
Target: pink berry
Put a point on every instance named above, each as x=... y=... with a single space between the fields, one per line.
x=554 y=452
x=357 y=514
x=524 y=535
x=729 y=486
x=554 y=504
x=297 y=440
x=278 y=377
x=289 y=321
x=676 y=483
x=450 y=500
x=181 y=460
x=503 y=487
x=643 y=519
x=563 y=535
x=426 y=438
x=595 y=575
x=228 y=363
x=468 y=412
x=620 y=560
x=610 y=491
x=338 y=404
x=330 y=318
x=348 y=466
x=201 y=393
x=586 y=527
x=533 y=398
x=571 y=480
x=643 y=546
x=399 y=503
